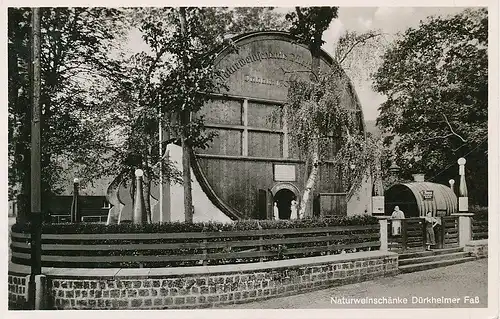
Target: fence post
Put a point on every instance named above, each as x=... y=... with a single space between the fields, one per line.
x=328 y=245
x=442 y=233
x=464 y=228
x=404 y=237
x=424 y=233
x=384 y=238
x=36 y=295
x=205 y=252
x=261 y=239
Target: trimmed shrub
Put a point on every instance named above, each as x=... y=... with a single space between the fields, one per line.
x=182 y=227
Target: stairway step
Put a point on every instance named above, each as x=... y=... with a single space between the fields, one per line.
x=425 y=253
x=431 y=258
x=434 y=264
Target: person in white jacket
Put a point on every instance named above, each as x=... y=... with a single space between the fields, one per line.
x=276 y=211
x=396 y=217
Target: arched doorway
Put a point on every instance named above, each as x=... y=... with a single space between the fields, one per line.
x=284 y=198
x=283 y=194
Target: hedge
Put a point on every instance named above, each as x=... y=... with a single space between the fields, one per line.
x=181 y=227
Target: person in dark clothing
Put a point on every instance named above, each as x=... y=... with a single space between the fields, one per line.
x=430 y=223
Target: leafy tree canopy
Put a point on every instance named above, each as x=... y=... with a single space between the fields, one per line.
x=435 y=78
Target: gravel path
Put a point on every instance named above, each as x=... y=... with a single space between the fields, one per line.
x=456 y=281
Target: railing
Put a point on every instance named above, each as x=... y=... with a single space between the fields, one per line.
x=479 y=229
x=413 y=234
x=197 y=248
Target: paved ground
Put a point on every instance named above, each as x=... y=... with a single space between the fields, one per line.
x=456 y=281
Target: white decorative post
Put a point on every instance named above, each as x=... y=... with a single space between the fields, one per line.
x=463 y=199
x=384 y=245
x=464 y=217
x=139 y=207
x=452 y=185
x=378 y=200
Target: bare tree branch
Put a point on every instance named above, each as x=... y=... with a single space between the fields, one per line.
x=359 y=41
x=453 y=133
x=451 y=129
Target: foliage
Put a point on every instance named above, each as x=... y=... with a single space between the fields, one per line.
x=359 y=54
x=95 y=97
x=320 y=112
x=74 y=64
x=178 y=227
x=480 y=213
x=309 y=23
x=435 y=78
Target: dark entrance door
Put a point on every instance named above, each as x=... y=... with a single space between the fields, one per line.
x=284 y=199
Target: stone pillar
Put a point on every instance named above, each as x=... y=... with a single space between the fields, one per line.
x=378 y=199
x=464 y=228
x=40 y=292
x=463 y=199
x=37 y=293
x=383 y=232
x=139 y=216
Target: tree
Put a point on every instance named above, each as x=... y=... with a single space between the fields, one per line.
x=308 y=24
x=435 y=78
x=316 y=114
x=170 y=79
x=359 y=54
x=71 y=51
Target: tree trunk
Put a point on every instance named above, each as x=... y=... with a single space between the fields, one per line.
x=146 y=191
x=313 y=176
x=186 y=176
x=186 y=158
x=311 y=181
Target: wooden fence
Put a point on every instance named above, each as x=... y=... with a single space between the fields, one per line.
x=479 y=229
x=191 y=249
x=449 y=231
x=413 y=234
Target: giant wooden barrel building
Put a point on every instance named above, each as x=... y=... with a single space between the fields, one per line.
x=253 y=162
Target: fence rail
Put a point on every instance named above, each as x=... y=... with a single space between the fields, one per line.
x=479 y=229
x=191 y=249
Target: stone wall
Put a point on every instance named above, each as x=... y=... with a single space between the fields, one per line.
x=18 y=291
x=477 y=248
x=200 y=287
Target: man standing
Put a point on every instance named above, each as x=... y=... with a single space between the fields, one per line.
x=396 y=217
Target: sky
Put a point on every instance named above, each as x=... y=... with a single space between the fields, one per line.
x=390 y=20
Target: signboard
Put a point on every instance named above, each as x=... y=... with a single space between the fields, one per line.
x=284 y=173
x=428 y=194
x=378 y=205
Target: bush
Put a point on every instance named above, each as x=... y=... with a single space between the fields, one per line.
x=480 y=212
x=181 y=227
